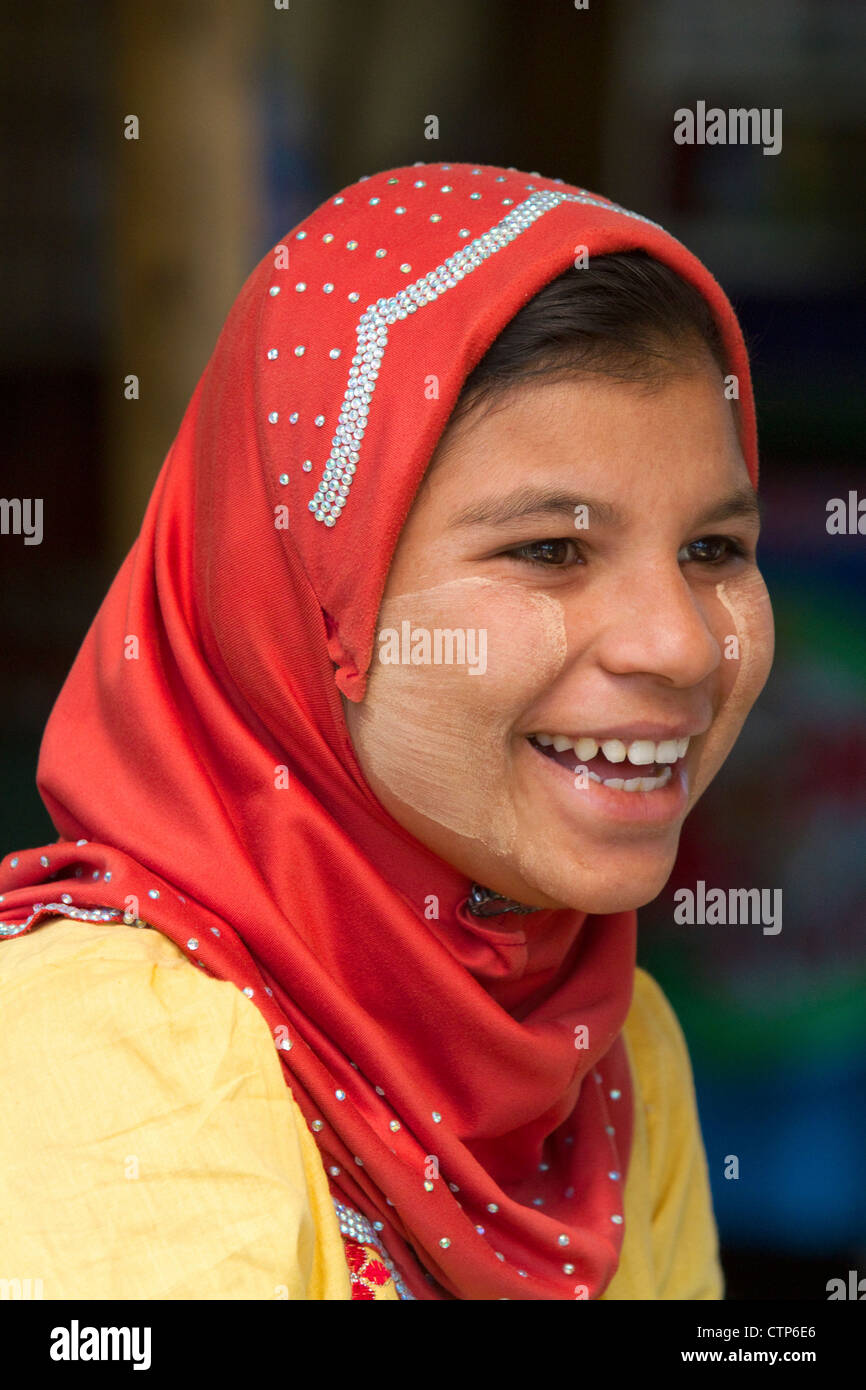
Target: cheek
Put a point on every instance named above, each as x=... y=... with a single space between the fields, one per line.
x=745 y=635
x=751 y=623
x=436 y=732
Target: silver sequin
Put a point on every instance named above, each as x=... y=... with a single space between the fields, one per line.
x=84 y=914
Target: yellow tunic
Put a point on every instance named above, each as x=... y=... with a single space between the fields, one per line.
x=150 y=1148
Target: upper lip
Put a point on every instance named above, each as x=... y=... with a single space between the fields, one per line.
x=656 y=733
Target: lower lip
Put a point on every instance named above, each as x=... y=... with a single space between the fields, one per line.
x=657 y=807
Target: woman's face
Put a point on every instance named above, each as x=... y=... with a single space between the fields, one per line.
x=574 y=601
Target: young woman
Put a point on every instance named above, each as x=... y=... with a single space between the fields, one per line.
x=443 y=613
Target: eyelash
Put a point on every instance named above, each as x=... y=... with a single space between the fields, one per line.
x=735 y=550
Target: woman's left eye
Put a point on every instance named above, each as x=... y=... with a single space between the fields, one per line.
x=712 y=550
x=549 y=554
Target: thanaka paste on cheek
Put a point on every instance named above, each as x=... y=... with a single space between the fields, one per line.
x=439 y=735
x=748 y=604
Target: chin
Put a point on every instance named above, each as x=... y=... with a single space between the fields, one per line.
x=624 y=884
x=604 y=900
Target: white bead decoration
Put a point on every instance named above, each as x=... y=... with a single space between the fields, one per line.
x=373 y=326
x=355 y=1225
x=85 y=914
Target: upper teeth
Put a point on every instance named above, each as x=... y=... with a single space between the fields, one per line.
x=641 y=752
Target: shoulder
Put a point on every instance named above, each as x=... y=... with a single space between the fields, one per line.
x=116 y=1000
x=662 y=1072
x=657 y=1045
x=144 y=1108
x=651 y=1016
x=683 y=1231
x=114 y=979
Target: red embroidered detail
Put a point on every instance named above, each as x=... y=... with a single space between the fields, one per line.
x=376 y=1272
x=366 y=1270
x=356 y=1255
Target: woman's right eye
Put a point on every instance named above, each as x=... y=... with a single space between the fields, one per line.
x=549 y=554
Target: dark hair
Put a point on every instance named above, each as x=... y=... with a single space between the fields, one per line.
x=624 y=316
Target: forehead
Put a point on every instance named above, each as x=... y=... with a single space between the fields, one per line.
x=620 y=432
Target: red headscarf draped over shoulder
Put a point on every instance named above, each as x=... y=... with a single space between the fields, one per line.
x=198 y=768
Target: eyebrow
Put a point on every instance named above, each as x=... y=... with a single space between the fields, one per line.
x=528 y=503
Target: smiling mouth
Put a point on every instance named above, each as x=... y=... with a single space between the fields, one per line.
x=640 y=766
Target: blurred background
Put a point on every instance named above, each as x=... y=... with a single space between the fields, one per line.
x=123 y=257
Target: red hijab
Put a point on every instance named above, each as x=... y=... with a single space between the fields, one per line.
x=198 y=768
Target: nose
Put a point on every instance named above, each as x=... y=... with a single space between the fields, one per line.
x=654 y=623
